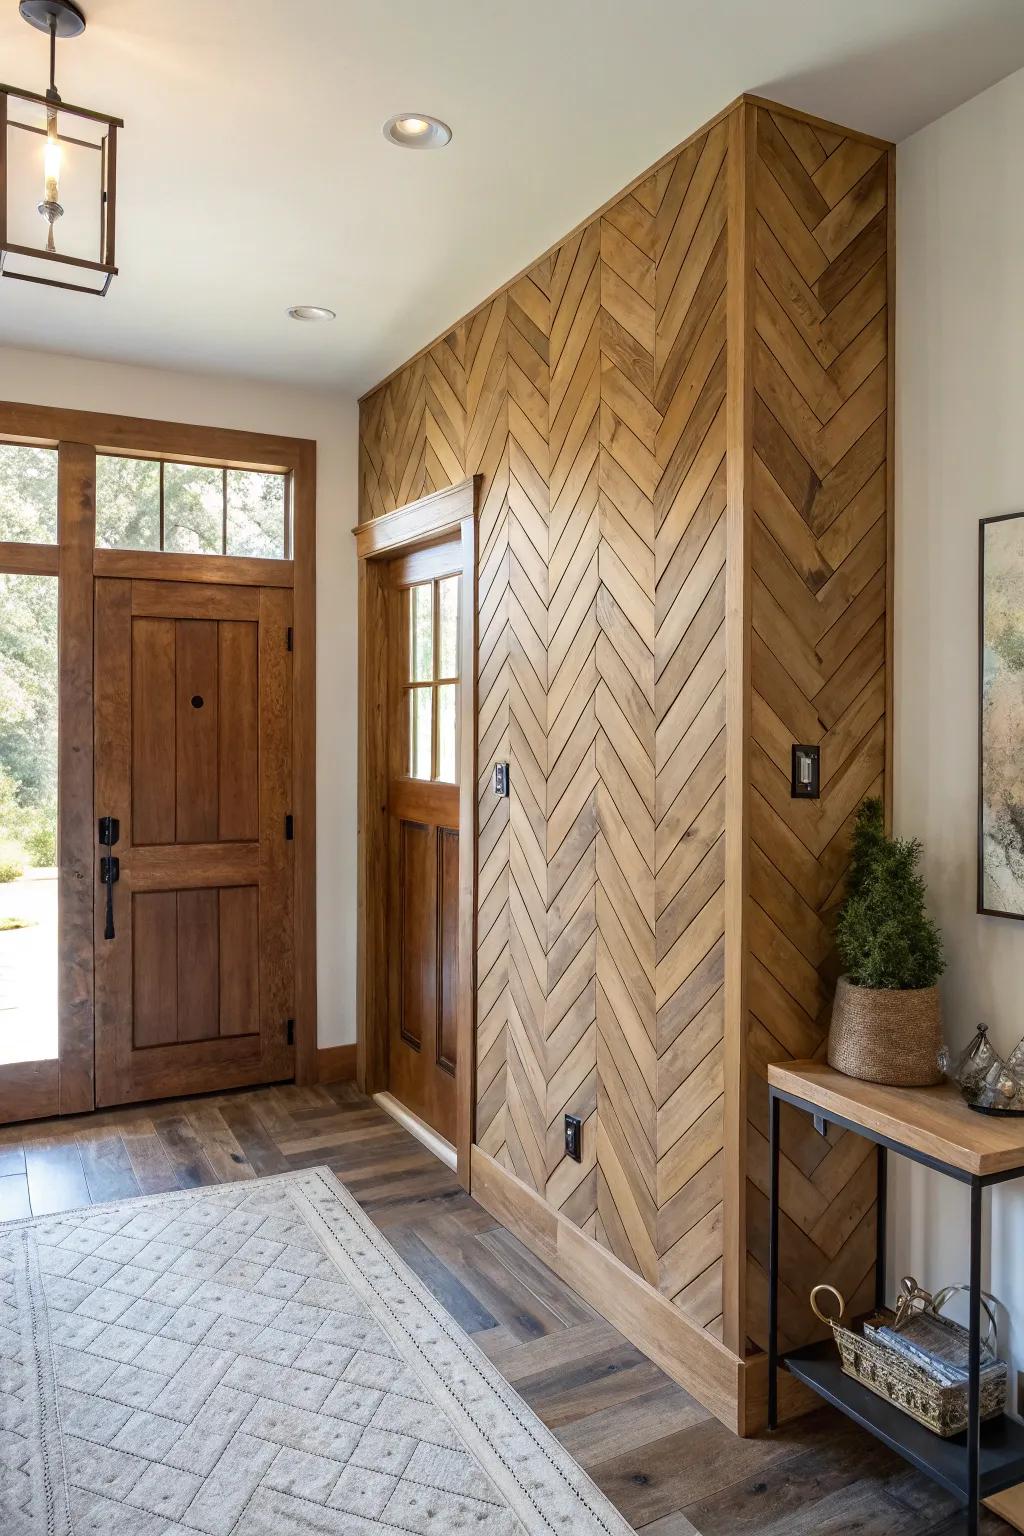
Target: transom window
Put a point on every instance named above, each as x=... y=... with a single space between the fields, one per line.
x=432 y=679
x=197 y=509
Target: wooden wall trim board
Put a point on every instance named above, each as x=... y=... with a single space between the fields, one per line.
x=78 y=436
x=465 y=1065
x=431 y=517
x=739 y=482
x=336 y=1064
x=149 y=438
x=681 y=417
x=414 y=526
x=303 y=502
x=685 y=1352
x=890 y=486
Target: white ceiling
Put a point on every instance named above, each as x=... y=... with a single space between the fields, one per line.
x=254 y=175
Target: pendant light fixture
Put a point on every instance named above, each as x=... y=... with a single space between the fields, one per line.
x=58 y=175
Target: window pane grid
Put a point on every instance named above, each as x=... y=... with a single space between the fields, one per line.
x=187 y=508
x=432 y=677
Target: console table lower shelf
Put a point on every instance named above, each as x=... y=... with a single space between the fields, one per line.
x=1002 y=1439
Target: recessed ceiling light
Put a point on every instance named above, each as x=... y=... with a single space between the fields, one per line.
x=311 y=312
x=415 y=130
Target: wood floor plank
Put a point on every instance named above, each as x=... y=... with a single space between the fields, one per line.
x=56 y=1178
x=14 y=1201
x=108 y=1169
x=260 y=1149
x=184 y=1151
x=148 y=1157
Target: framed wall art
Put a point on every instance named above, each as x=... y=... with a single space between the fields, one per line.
x=1001 y=717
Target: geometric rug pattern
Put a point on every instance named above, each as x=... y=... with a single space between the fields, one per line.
x=255 y=1359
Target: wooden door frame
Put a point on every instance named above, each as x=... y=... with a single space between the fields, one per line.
x=427 y=521
x=67 y=1086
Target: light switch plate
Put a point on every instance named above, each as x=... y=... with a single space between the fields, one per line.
x=805 y=773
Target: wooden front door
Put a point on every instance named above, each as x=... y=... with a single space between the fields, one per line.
x=193 y=757
x=424 y=609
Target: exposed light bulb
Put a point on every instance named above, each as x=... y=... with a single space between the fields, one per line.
x=51 y=170
x=413 y=124
x=50 y=207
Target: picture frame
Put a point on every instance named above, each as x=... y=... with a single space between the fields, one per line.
x=1000 y=858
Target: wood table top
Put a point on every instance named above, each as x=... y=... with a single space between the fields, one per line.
x=933 y=1121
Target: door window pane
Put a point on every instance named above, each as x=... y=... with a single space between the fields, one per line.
x=28 y=818
x=193 y=509
x=421 y=633
x=447 y=733
x=127 y=502
x=448 y=627
x=28 y=494
x=421 y=740
x=256 y=514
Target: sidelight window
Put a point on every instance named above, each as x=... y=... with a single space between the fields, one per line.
x=28 y=494
x=432 y=677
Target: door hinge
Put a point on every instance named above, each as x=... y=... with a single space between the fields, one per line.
x=289 y=827
x=289 y=1030
x=289 y=634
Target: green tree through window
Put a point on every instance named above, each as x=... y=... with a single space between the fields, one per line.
x=28 y=664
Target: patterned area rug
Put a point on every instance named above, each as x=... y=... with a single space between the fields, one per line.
x=255 y=1360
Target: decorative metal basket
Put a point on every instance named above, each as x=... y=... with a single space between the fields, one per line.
x=909 y=1372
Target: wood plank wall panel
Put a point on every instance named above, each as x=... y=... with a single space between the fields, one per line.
x=591 y=396
x=818 y=658
x=691 y=553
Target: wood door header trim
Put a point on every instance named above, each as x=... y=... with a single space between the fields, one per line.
x=442 y=512
x=211 y=570
x=151 y=437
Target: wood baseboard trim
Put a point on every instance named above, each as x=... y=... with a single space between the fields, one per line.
x=695 y=1359
x=794 y=1398
x=431 y=1139
x=336 y=1064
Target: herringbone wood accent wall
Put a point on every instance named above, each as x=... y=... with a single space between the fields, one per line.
x=592 y=396
x=818 y=656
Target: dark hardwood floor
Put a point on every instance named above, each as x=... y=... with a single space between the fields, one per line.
x=669 y=1466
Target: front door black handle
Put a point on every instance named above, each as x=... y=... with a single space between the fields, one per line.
x=110 y=868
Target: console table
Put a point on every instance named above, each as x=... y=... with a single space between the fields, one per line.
x=932 y=1126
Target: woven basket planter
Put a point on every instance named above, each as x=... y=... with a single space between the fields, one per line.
x=886 y=1036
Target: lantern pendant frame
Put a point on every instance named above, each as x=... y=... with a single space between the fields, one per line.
x=60 y=19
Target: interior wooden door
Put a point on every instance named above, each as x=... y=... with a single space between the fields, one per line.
x=424 y=616
x=193 y=757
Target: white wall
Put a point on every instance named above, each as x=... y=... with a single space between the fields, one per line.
x=960 y=426
x=44 y=378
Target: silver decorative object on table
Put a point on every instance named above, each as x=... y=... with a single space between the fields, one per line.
x=989 y=1084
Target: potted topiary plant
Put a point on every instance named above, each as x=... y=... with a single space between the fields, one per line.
x=886 y=1018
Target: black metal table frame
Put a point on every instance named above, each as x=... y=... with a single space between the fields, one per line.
x=977 y=1183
